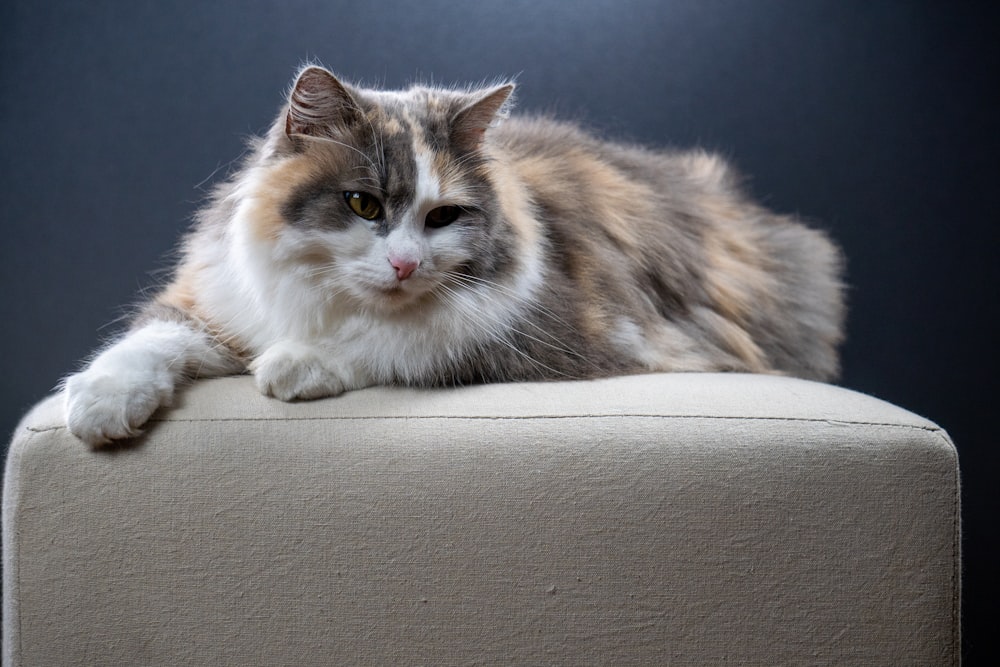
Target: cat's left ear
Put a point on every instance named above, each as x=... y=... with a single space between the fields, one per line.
x=468 y=128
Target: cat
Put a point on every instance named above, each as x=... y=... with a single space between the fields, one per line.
x=426 y=237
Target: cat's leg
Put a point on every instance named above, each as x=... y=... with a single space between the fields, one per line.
x=121 y=388
x=290 y=370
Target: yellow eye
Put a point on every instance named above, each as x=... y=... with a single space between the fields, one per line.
x=364 y=205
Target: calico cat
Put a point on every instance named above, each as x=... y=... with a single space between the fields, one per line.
x=424 y=238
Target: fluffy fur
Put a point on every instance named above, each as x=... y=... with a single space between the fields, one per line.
x=423 y=238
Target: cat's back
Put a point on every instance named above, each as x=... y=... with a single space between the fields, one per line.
x=568 y=147
x=673 y=233
x=619 y=185
x=610 y=207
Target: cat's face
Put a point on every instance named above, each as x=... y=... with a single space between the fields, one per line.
x=385 y=199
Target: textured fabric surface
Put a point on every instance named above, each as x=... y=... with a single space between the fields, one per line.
x=665 y=519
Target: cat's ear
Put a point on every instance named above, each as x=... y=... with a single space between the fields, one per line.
x=320 y=106
x=468 y=128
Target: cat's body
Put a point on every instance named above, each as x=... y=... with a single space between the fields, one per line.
x=412 y=238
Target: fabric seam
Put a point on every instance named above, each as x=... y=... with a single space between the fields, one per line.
x=956 y=556
x=17 y=649
x=808 y=420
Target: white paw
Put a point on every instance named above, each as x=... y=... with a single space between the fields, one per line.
x=102 y=406
x=291 y=370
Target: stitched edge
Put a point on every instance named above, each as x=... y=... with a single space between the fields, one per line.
x=12 y=648
x=956 y=554
x=541 y=417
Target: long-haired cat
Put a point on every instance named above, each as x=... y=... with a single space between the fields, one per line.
x=423 y=238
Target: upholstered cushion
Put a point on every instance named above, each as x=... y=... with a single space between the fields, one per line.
x=662 y=519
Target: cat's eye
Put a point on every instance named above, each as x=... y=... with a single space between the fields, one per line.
x=442 y=216
x=364 y=205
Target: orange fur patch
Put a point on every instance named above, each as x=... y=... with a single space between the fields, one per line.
x=269 y=192
x=737 y=275
x=610 y=198
x=617 y=203
x=389 y=125
x=180 y=293
x=518 y=209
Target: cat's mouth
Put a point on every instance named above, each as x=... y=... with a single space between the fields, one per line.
x=390 y=293
x=395 y=292
x=399 y=294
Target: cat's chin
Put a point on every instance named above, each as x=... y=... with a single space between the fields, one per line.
x=395 y=298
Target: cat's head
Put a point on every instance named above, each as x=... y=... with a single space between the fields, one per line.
x=381 y=197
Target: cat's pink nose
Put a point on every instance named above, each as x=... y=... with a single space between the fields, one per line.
x=404 y=267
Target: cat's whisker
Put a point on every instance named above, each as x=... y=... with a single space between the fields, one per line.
x=229 y=341
x=373 y=181
x=360 y=152
x=552 y=342
x=322 y=271
x=533 y=304
x=500 y=332
x=491 y=333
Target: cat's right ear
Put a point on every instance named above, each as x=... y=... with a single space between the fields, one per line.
x=320 y=106
x=488 y=107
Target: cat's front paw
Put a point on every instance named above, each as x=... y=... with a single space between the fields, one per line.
x=291 y=370
x=103 y=406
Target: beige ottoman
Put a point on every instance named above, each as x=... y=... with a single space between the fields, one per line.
x=689 y=519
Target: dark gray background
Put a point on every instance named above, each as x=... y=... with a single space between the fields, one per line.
x=875 y=119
